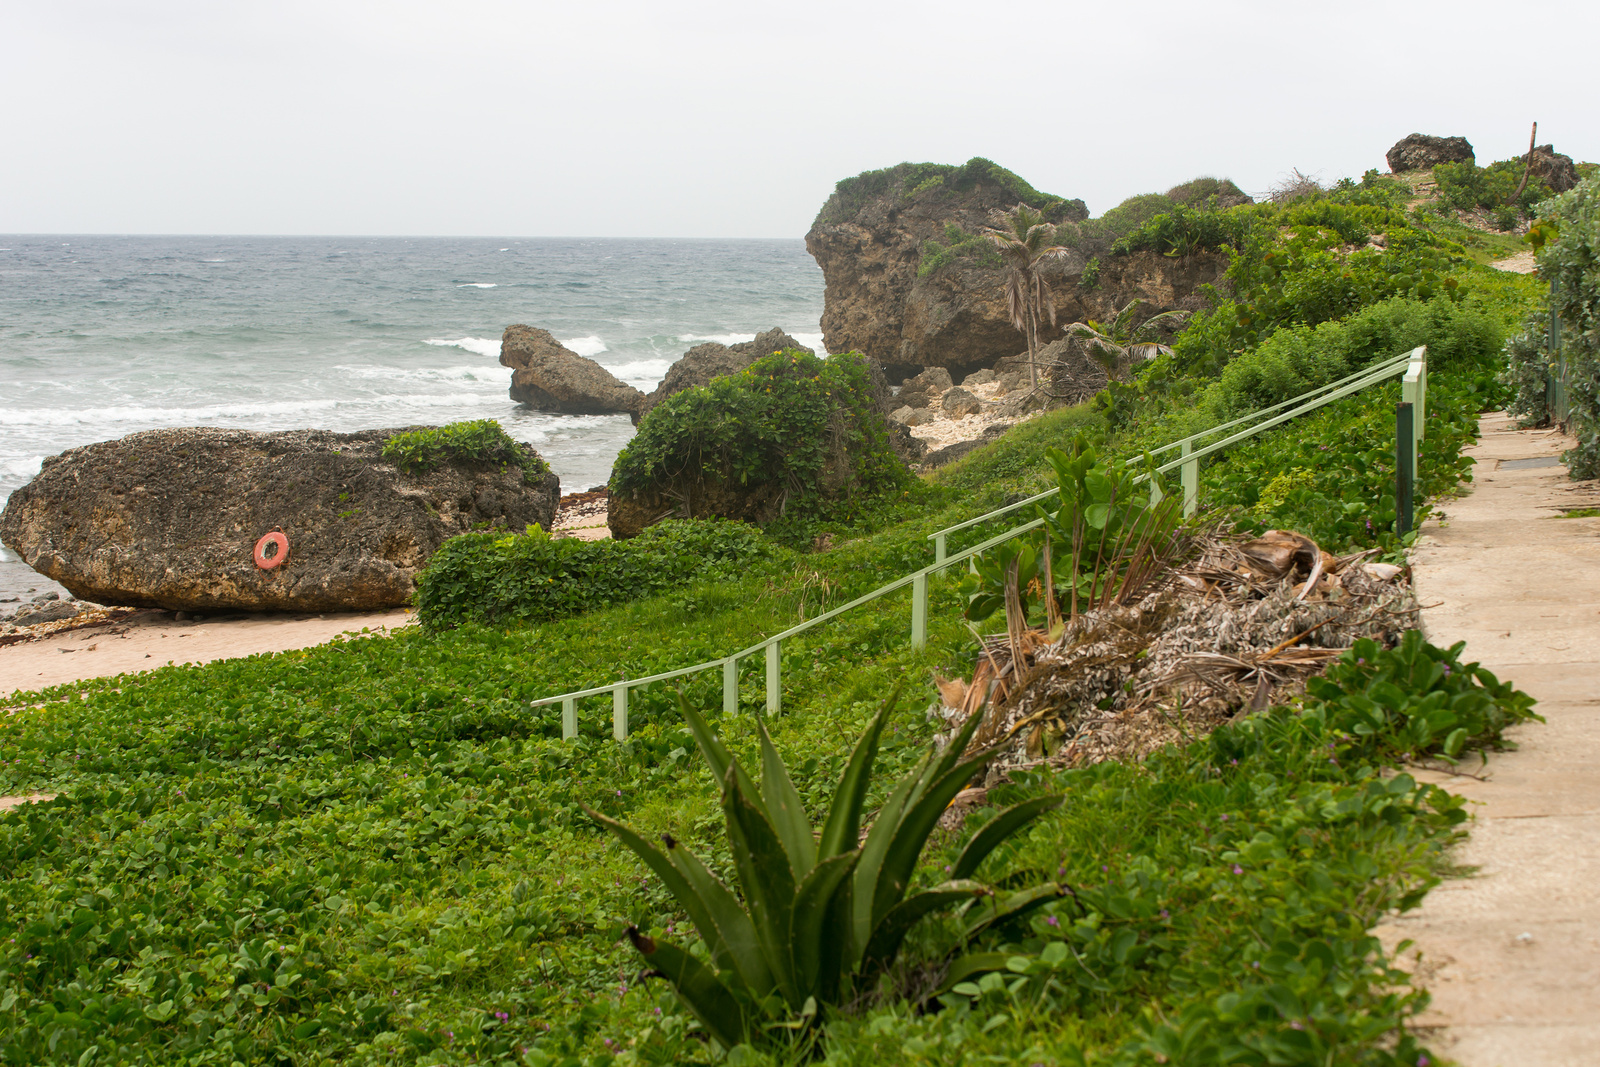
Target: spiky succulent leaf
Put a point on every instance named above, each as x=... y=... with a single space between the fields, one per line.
x=964 y=967
x=999 y=909
x=842 y=828
x=697 y=986
x=766 y=879
x=785 y=808
x=997 y=829
x=864 y=883
x=916 y=825
x=815 y=941
x=688 y=897
x=716 y=754
x=892 y=929
x=741 y=948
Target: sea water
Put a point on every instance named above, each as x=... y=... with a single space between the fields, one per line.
x=101 y=337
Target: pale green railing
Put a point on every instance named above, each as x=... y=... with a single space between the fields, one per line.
x=1412 y=365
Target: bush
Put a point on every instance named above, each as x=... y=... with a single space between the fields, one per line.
x=805 y=428
x=1527 y=363
x=1569 y=262
x=497 y=578
x=482 y=440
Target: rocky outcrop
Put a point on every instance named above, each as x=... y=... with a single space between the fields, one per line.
x=1552 y=168
x=550 y=377
x=712 y=360
x=1418 y=151
x=170 y=518
x=870 y=239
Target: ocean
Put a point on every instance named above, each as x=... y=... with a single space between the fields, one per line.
x=101 y=337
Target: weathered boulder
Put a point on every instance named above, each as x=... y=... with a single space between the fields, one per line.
x=1418 y=151
x=1552 y=168
x=884 y=297
x=712 y=360
x=170 y=518
x=550 y=377
x=958 y=402
x=920 y=391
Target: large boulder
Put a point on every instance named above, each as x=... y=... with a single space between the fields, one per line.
x=713 y=360
x=1418 y=151
x=1552 y=168
x=551 y=377
x=885 y=297
x=170 y=518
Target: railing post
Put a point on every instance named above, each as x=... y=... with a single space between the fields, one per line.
x=569 y=718
x=1405 y=458
x=1189 y=474
x=619 y=712
x=938 y=548
x=919 y=611
x=774 y=682
x=730 y=686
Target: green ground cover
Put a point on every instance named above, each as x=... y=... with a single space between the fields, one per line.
x=374 y=851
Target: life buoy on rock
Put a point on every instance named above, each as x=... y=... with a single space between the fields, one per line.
x=279 y=542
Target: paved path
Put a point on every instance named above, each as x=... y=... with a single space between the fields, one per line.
x=1512 y=953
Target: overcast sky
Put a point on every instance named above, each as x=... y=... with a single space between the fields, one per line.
x=698 y=119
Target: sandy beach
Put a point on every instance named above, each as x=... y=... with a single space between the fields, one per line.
x=146 y=640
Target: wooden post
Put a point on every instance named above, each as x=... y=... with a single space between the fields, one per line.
x=1189 y=474
x=619 y=713
x=730 y=686
x=569 y=718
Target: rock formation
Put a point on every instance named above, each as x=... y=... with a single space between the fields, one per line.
x=1552 y=168
x=170 y=518
x=550 y=377
x=1418 y=151
x=870 y=236
x=712 y=360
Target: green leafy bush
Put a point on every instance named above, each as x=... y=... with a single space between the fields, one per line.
x=805 y=428
x=1417 y=700
x=958 y=246
x=1527 y=370
x=481 y=440
x=496 y=578
x=1568 y=259
x=1466 y=186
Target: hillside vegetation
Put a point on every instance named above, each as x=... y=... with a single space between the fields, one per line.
x=375 y=852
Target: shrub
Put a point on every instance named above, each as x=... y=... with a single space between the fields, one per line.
x=805 y=428
x=1568 y=260
x=1527 y=363
x=1417 y=700
x=482 y=440
x=498 y=578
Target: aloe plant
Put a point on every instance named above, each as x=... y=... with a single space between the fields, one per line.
x=819 y=913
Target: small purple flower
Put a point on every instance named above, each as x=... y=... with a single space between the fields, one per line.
x=1223 y=818
x=1256 y=965
x=1423 y=1061
x=1237 y=869
x=1052 y=920
x=1165 y=914
x=1297 y=1025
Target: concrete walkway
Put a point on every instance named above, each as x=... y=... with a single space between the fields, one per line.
x=1511 y=953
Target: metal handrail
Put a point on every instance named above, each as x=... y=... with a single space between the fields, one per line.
x=1413 y=365
x=1368 y=375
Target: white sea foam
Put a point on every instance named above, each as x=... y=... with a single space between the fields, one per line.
x=483 y=346
x=494 y=375
x=477 y=285
x=641 y=370
x=812 y=341
x=20 y=468
x=719 y=338
x=590 y=346
x=276 y=412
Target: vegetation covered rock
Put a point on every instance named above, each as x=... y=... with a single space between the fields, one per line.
x=1419 y=151
x=711 y=360
x=170 y=518
x=911 y=280
x=792 y=431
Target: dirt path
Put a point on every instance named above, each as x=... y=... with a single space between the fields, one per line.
x=1511 y=954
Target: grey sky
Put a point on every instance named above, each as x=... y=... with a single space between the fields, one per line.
x=618 y=118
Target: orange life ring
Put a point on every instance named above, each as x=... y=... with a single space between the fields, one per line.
x=266 y=562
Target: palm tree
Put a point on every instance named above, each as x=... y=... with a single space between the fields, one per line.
x=1117 y=345
x=1024 y=240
